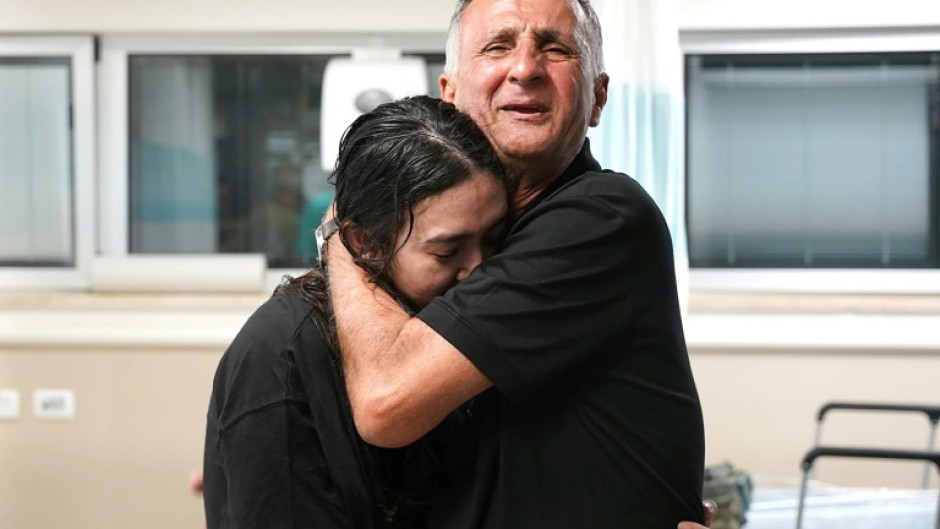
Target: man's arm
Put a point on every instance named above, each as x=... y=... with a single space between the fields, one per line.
x=402 y=377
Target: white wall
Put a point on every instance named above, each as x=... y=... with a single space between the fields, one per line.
x=422 y=15
x=804 y=14
x=121 y=16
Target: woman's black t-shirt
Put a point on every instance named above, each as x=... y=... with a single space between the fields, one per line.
x=281 y=448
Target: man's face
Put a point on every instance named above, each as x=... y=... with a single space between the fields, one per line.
x=520 y=77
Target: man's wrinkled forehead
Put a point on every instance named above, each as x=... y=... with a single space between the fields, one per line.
x=492 y=11
x=508 y=19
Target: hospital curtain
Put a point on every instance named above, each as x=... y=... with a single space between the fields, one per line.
x=641 y=130
x=173 y=190
x=35 y=163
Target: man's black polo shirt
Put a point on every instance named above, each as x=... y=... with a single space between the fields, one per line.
x=594 y=421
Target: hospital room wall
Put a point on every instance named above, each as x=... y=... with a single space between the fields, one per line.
x=806 y=14
x=138 y=431
x=760 y=405
x=124 y=460
x=130 y=16
x=424 y=15
x=760 y=409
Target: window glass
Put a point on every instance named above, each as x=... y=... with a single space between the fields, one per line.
x=225 y=154
x=813 y=160
x=36 y=205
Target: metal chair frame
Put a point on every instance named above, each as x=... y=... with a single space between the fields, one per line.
x=929 y=456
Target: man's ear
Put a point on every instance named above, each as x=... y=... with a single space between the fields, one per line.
x=600 y=98
x=448 y=86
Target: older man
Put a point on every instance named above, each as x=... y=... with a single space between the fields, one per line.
x=593 y=420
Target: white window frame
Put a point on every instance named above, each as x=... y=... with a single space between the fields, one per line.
x=80 y=50
x=821 y=281
x=113 y=192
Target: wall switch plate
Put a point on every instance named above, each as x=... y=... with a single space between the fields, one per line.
x=54 y=404
x=9 y=404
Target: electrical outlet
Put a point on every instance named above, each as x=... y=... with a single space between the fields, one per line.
x=54 y=404
x=9 y=404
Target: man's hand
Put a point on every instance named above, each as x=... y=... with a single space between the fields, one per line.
x=711 y=510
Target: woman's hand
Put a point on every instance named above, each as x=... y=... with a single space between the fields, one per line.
x=195 y=481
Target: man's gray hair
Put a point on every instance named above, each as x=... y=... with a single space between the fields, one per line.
x=587 y=32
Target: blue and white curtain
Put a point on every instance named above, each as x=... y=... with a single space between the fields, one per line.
x=641 y=130
x=35 y=163
x=174 y=202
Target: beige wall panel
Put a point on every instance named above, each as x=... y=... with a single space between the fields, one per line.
x=125 y=459
x=760 y=410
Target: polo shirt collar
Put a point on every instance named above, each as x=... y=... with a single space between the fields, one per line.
x=583 y=162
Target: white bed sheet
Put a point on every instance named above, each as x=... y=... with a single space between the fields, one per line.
x=828 y=506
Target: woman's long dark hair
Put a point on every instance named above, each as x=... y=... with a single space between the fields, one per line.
x=390 y=159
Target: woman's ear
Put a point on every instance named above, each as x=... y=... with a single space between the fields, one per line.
x=352 y=236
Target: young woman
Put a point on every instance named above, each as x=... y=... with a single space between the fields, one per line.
x=420 y=201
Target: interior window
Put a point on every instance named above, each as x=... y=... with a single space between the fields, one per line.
x=36 y=176
x=813 y=160
x=225 y=154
